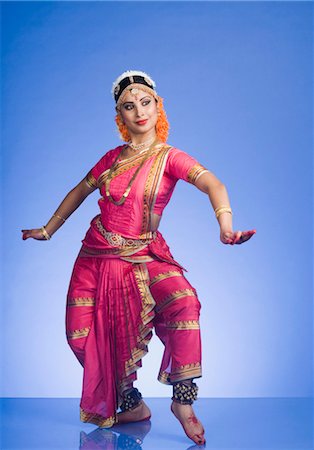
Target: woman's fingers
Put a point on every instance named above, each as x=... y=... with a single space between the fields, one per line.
x=237 y=236
x=245 y=236
x=227 y=237
x=25 y=234
x=34 y=233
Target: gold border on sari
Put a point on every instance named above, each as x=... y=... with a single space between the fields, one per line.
x=174 y=296
x=152 y=185
x=163 y=377
x=183 y=325
x=80 y=333
x=193 y=370
x=81 y=301
x=148 y=304
x=138 y=259
x=125 y=165
x=164 y=275
x=97 y=419
x=195 y=172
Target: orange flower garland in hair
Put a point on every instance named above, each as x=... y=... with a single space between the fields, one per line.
x=162 y=125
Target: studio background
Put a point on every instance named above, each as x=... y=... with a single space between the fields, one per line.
x=237 y=86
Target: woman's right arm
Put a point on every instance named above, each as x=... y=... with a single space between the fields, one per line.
x=68 y=205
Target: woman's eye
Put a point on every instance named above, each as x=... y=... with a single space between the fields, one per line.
x=129 y=107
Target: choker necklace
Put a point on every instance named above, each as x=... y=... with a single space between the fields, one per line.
x=140 y=146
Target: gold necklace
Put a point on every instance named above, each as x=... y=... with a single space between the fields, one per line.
x=136 y=147
x=111 y=172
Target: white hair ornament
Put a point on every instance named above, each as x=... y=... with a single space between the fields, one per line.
x=140 y=79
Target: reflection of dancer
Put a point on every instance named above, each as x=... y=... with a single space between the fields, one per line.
x=130 y=436
x=125 y=280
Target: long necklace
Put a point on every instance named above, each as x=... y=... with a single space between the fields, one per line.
x=127 y=191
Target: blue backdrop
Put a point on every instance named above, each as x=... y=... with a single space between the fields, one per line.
x=237 y=86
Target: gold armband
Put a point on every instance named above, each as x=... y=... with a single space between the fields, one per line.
x=195 y=172
x=91 y=180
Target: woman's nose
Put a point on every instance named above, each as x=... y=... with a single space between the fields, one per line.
x=139 y=111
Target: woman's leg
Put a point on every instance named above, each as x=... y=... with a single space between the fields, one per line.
x=108 y=328
x=176 y=322
x=80 y=305
x=133 y=408
x=184 y=394
x=177 y=325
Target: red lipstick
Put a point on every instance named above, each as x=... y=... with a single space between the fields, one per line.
x=141 y=122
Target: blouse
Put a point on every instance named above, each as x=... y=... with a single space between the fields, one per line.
x=150 y=191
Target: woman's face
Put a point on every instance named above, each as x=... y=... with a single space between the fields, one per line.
x=136 y=108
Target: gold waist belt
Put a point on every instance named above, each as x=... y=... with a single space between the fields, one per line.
x=116 y=240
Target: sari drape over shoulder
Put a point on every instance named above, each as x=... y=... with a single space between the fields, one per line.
x=125 y=282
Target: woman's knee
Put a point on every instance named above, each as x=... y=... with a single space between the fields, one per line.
x=186 y=308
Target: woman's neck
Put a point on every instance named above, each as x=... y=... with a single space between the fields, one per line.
x=142 y=138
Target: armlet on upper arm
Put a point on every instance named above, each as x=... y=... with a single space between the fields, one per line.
x=195 y=172
x=91 y=180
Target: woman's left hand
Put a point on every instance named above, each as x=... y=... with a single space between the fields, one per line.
x=235 y=237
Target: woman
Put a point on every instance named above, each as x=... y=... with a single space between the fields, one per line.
x=125 y=281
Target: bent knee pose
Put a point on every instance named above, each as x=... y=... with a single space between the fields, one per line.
x=125 y=281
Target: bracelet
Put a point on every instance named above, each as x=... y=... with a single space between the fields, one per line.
x=45 y=233
x=221 y=212
x=222 y=209
x=59 y=217
x=221 y=206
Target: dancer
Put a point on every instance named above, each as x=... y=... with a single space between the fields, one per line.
x=125 y=281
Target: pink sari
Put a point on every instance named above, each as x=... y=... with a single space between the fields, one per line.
x=125 y=283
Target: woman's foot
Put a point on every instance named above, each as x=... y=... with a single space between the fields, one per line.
x=190 y=423
x=141 y=412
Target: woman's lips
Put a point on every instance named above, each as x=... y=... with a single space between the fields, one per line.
x=141 y=122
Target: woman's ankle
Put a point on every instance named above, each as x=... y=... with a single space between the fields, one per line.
x=132 y=399
x=185 y=392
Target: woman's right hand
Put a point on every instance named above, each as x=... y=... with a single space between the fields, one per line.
x=35 y=233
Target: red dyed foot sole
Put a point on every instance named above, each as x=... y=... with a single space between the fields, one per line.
x=146 y=418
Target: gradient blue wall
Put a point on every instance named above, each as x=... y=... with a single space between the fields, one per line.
x=237 y=86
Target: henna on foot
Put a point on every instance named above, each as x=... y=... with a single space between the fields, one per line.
x=190 y=423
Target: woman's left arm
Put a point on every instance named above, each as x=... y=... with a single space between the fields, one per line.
x=208 y=183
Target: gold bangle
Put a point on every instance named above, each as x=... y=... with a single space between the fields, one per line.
x=45 y=233
x=221 y=211
x=221 y=206
x=59 y=217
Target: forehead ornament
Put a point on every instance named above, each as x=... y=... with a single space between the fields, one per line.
x=129 y=78
x=134 y=91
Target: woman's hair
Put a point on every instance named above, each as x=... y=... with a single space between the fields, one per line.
x=162 y=125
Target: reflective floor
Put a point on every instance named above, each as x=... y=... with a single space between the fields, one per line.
x=235 y=423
